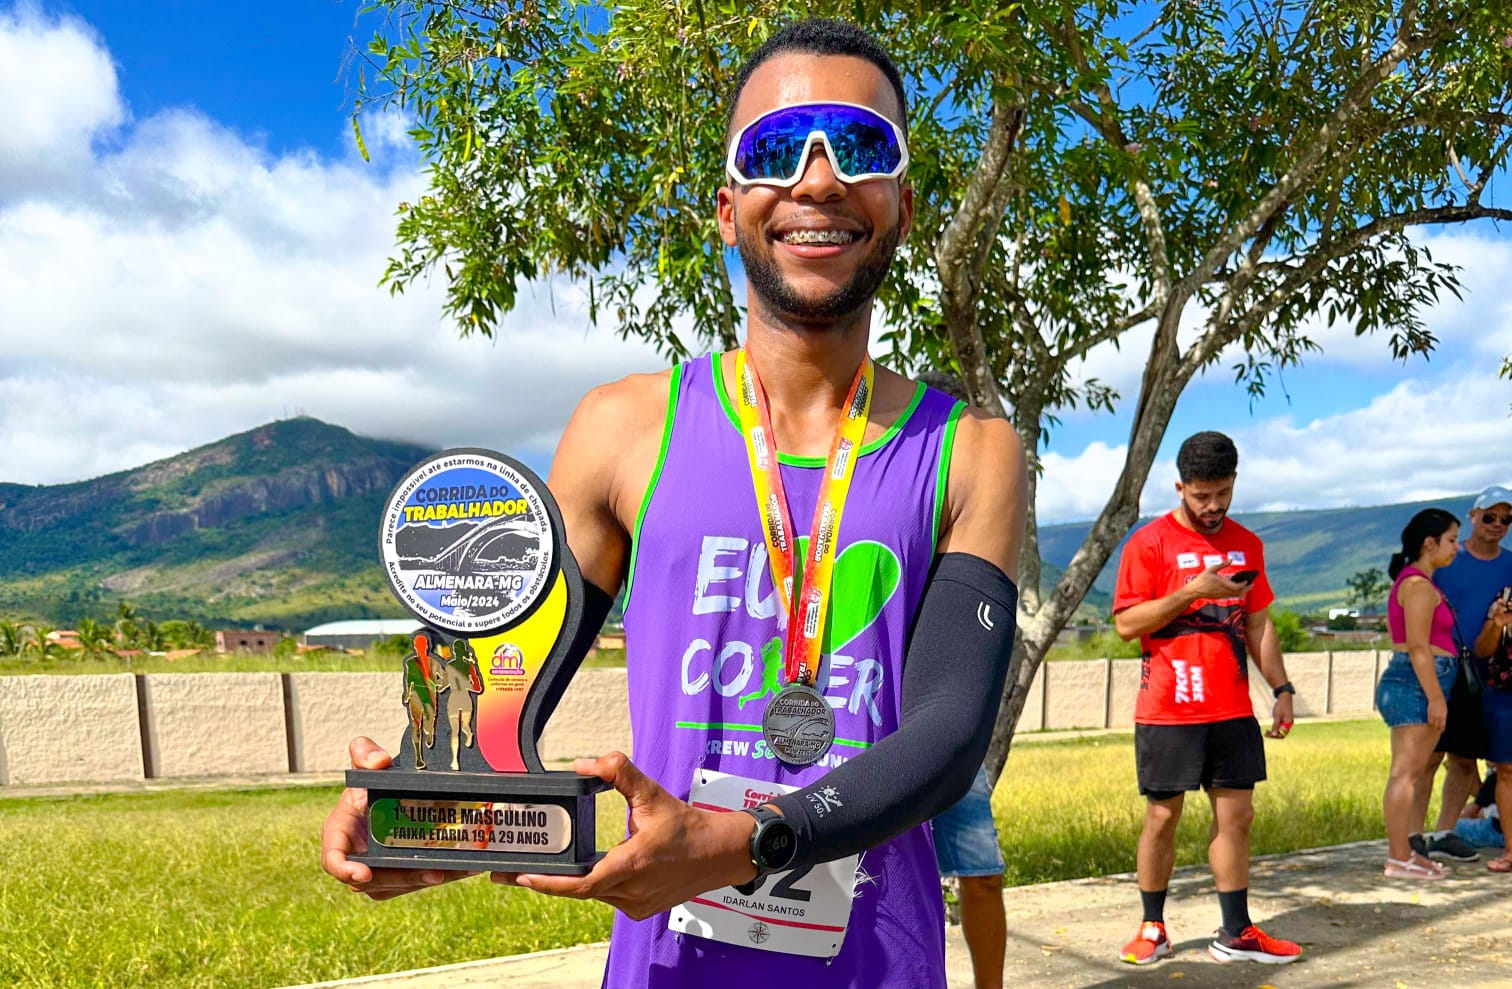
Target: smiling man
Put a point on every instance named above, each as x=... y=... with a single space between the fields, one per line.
x=1470 y=583
x=804 y=695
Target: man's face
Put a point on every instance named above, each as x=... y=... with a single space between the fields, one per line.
x=811 y=282
x=1490 y=523
x=1206 y=502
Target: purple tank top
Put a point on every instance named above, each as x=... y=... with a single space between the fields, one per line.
x=700 y=619
x=1440 y=632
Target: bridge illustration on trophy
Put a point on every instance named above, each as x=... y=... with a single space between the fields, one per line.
x=473 y=546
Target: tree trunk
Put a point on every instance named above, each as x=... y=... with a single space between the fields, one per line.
x=1162 y=386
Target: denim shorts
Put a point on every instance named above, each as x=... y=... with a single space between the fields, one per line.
x=1482 y=832
x=965 y=839
x=1399 y=696
x=1497 y=707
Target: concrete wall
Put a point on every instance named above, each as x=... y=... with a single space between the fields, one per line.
x=57 y=729
x=1125 y=692
x=1353 y=681
x=212 y=724
x=328 y=710
x=1077 y=694
x=593 y=717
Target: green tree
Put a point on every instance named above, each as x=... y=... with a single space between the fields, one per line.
x=96 y=639
x=36 y=643
x=1083 y=171
x=1290 y=630
x=128 y=629
x=178 y=633
x=12 y=634
x=1367 y=586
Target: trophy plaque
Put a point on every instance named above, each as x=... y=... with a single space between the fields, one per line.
x=472 y=545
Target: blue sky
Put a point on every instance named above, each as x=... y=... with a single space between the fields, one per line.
x=190 y=246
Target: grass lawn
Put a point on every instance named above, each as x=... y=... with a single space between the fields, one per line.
x=182 y=888
x=1071 y=808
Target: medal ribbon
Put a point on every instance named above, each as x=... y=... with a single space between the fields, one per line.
x=807 y=612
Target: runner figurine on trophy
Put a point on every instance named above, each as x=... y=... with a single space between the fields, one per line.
x=473 y=546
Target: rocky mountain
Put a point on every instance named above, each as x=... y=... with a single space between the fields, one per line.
x=276 y=525
x=1310 y=555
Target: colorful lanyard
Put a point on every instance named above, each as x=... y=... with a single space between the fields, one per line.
x=805 y=627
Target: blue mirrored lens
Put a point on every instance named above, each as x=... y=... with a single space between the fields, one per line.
x=773 y=147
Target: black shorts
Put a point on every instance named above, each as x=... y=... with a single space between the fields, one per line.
x=1465 y=729
x=1171 y=759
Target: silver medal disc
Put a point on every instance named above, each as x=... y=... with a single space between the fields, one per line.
x=799 y=725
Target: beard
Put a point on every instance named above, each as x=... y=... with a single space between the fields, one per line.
x=772 y=288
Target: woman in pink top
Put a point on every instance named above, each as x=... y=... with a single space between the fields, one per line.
x=1411 y=694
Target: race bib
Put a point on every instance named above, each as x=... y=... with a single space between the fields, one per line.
x=799 y=912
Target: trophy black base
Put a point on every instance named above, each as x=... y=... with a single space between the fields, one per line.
x=553 y=811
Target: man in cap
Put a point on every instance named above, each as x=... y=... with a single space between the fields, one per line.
x=1470 y=583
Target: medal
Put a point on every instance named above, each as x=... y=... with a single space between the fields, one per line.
x=799 y=725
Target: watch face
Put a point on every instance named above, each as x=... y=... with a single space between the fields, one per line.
x=776 y=845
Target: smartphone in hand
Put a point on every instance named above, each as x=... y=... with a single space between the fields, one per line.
x=1243 y=576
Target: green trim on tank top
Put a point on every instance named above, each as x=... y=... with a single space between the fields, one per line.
x=792 y=460
x=661 y=460
x=947 y=447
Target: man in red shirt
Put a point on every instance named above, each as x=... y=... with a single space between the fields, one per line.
x=1192 y=587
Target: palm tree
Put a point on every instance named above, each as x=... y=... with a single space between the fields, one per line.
x=128 y=631
x=96 y=639
x=12 y=635
x=38 y=644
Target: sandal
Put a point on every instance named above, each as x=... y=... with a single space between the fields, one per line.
x=1416 y=867
x=1502 y=865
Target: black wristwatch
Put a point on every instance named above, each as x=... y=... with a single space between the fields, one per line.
x=1285 y=688
x=773 y=845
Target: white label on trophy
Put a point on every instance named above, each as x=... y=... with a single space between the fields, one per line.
x=471 y=824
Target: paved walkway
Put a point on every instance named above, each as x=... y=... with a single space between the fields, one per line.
x=1357 y=929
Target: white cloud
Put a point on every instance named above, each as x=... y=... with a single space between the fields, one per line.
x=189 y=285
x=58 y=94
x=1415 y=442
x=1478 y=324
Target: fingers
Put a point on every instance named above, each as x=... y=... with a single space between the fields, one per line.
x=344 y=835
x=368 y=754
x=617 y=769
x=608 y=874
x=386 y=884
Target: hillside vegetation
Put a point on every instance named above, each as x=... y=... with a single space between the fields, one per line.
x=278 y=526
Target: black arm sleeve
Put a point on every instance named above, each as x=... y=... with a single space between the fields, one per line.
x=953 y=677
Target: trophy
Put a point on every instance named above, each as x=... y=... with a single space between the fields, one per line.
x=472 y=545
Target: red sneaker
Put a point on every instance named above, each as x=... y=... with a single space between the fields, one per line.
x=1150 y=945
x=1254 y=945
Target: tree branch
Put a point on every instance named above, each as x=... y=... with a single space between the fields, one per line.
x=1350 y=104
x=960 y=259
x=1220 y=336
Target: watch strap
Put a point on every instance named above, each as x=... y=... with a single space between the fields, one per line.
x=764 y=816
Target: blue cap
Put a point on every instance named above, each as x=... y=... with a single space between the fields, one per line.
x=1494 y=495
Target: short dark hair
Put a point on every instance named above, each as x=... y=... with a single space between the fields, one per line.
x=821 y=36
x=1207 y=456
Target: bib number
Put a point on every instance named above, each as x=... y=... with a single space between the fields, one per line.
x=802 y=911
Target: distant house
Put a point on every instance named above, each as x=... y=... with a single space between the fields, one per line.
x=357 y=633
x=240 y=640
